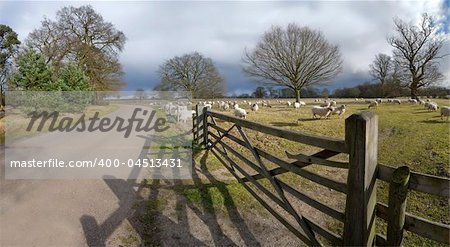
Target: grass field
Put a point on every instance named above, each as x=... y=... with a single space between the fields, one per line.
x=408 y=135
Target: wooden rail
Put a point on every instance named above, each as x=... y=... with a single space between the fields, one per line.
x=309 y=139
x=418 y=225
x=425 y=183
x=361 y=137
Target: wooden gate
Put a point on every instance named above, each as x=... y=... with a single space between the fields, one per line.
x=360 y=148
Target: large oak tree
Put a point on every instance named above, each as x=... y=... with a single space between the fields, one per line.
x=81 y=35
x=295 y=57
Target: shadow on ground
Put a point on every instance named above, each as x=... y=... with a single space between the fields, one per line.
x=151 y=226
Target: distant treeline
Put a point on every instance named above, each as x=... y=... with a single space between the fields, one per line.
x=368 y=90
x=365 y=90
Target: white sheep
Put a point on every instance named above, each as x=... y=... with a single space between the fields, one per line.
x=333 y=103
x=296 y=105
x=432 y=106
x=326 y=104
x=289 y=103
x=240 y=113
x=209 y=106
x=422 y=102
x=373 y=104
x=226 y=107
x=445 y=112
x=235 y=106
x=339 y=110
x=302 y=103
x=396 y=101
x=412 y=101
x=321 y=111
x=184 y=115
x=255 y=107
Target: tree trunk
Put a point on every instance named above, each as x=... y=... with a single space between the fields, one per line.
x=414 y=91
x=297 y=95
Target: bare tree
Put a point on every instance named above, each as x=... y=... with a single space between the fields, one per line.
x=295 y=57
x=417 y=51
x=191 y=72
x=82 y=35
x=381 y=67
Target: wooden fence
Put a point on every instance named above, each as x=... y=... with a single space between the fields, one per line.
x=361 y=206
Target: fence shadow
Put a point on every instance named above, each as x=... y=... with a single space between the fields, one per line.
x=147 y=220
x=283 y=124
x=434 y=121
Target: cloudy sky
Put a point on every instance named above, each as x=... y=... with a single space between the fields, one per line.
x=157 y=31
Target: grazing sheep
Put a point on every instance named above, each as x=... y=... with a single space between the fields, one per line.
x=235 y=106
x=390 y=100
x=240 y=113
x=339 y=110
x=396 y=101
x=378 y=100
x=412 y=101
x=333 y=103
x=184 y=115
x=226 y=107
x=422 y=102
x=432 y=106
x=321 y=111
x=204 y=104
x=296 y=105
x=255 y=107
x=302 y=103
x=288 y=103
x=373 y=104
x=445 y=112
x=326 y=104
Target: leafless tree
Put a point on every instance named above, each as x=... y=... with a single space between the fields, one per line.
x=294 y=57
x=381 y=67
x=417 y=51
x=82 y=35
x=191 y=72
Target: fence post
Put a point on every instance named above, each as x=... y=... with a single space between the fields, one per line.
x=197 y=119
x=205 y=127
x=398 y=190
x=361 y=138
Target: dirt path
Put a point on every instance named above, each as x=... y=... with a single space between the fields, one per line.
x=68 y=212
x=118 y=212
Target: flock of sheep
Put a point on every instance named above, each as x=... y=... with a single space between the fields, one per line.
x=323 y=108
x=428 y=104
